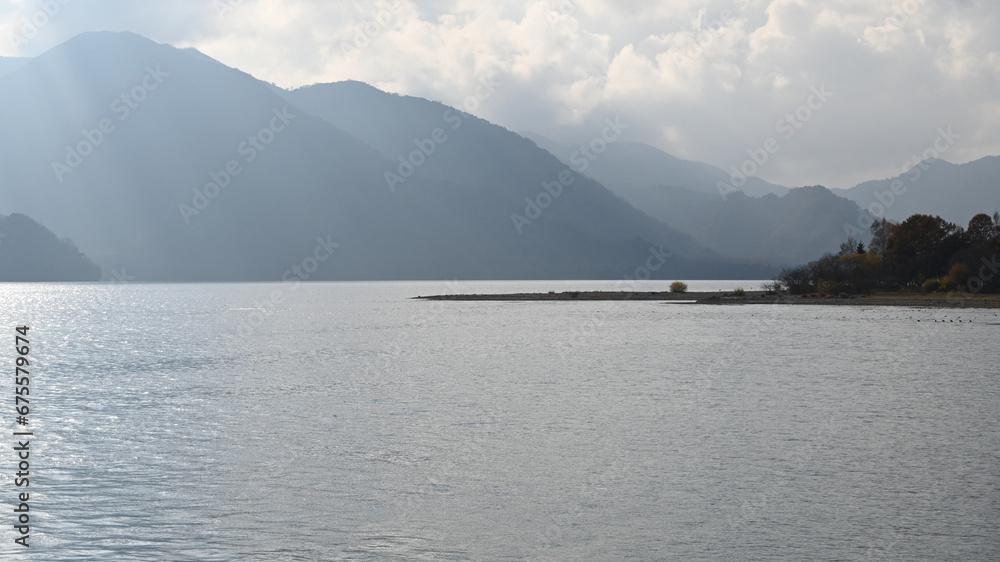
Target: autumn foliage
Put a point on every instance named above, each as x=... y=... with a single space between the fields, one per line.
x=923 y=252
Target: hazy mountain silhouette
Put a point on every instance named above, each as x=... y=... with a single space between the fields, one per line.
x=124 y=145
x=479 y=155
x=121 y=200
x=629 y=168
x=955 y=192
x=795 y=228
x=778 y=226
x=172 y=165
x=29 y=252
x=10 y=64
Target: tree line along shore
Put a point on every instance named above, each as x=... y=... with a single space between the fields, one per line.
x=923 y=254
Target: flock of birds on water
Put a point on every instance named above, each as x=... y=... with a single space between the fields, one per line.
x=944 y=320
x=941 y=321
x=933 y=320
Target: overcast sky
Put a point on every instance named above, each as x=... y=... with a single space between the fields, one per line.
x=704 y=80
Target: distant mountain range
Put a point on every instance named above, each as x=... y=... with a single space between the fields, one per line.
x=633 y=169
x=955 y=192
x=770 y=223
x=172 y=165
x=29 y=252
x=168 y=163
x=760 y=221
x=791 y=229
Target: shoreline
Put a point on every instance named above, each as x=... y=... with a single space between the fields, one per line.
x=928 y=300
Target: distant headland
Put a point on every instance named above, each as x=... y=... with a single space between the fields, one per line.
x=922 y=300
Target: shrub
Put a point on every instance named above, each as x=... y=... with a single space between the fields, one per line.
x=799 y=280
x=957 y=275
x=678 y=287
x=739 y=292
x=827 y=287
x=931 y=286
x=771 y=287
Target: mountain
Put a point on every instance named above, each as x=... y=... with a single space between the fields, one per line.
x=777 y=226
x=478 y=155
x=795 y=228
x=955 y=192
x=10 y=64
x=168 y=163
x=109 y=134
x=627 y=167
x=29 y=252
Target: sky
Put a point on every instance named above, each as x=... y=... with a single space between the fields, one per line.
x=801 y=92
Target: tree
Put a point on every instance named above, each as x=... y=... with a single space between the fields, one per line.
x=981 y=229
x=922 y=251
x=850 y=246
x=921 y=246
x=799 y=280
x=882 y=231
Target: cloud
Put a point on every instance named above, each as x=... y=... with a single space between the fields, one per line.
x=702 y=79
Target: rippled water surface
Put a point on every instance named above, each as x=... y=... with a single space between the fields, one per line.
x=346 y=421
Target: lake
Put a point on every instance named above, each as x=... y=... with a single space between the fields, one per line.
x=345 y=421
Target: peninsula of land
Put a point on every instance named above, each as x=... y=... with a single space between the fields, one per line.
x=922 y=300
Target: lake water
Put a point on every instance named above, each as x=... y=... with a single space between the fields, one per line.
x=348 y=422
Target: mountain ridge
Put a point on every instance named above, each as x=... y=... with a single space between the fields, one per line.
x=624 y=166
x=956 y=192
x=183 y=170
x=172 y=164
x=31 y=253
